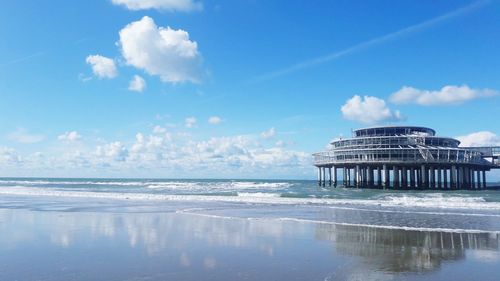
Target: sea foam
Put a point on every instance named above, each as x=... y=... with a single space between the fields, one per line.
x=422 y=201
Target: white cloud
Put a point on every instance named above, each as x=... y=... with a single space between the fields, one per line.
x=9 y=156
x=368 y=110
x=161 y=51
x=69 y=136
x=102 y=67
x=22 y=135
x=214 y=120
x=445 y=96
x=152 y=148
x=168 y=5
x=190 y=122
x=159 y=130
x=482 y=138
x=268 y=134
x=84 y=78
x=280 y=143
x=163 y=153
x=137 y=84
x=115 y=151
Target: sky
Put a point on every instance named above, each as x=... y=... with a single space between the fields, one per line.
x=234 y=89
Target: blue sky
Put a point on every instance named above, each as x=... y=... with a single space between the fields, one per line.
x=243 y=89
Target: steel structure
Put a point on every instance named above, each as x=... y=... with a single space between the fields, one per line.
x=405 y=157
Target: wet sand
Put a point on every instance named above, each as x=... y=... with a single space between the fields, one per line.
x=55 y=241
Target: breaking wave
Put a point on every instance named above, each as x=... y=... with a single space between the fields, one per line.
x=434 y=201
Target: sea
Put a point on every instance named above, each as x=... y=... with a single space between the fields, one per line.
x=178 y=229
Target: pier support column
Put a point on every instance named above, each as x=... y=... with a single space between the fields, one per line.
x=319 y=176
x=349 y=177
x=478 y=172
x=379 y=177
x=395 y=180
x=469 y=178
x=472 y=178
x=453 y=177
x=466 y=178
x=439 y=182
x=366 y=177
x=460 y=177
x=324 y=176
x=363 y=176
x=329 y=176
x=460 y=180
x=445 y=178
x=334 y=176
x=484 y=178
x=418 y=172
x=357 y=176
x=424 y=176
x=472 y=182
x=412 y=177
x=369 y=177
x=386 y=177
x=404 y=177
x=344 y=176
x=432 y=177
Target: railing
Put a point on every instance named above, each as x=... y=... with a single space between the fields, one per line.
x=402 y=155
x=488 y=151
x=353 y=143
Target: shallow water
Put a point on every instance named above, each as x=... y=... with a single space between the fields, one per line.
x=83 y=229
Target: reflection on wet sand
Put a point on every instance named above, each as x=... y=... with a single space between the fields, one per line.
x=393 y=250
x=154 y=232
x=180 y=246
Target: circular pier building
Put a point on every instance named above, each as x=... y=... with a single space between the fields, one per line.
x=405 y=157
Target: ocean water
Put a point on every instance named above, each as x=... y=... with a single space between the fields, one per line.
x=467 y=211
x=145 y=229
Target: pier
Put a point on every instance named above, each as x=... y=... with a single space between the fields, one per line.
x=404 y=157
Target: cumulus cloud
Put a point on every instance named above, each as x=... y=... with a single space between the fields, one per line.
x=241 y=152
x=22 y=135
x=445 y=96
x=190 y=122
x=102 y=67
x=168 y=5
x=8 y=156
x=162 y=153
x=69 y=136
x=214 y=120
x=161 y=51
x=114 y=151
x=482 y=138
x=268 y=134
x=150 y=148
x=137 y=84
x=368 y=110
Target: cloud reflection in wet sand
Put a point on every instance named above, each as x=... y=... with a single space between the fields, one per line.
x=233 y=248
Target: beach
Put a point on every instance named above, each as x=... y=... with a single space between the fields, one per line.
x=81 y=229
